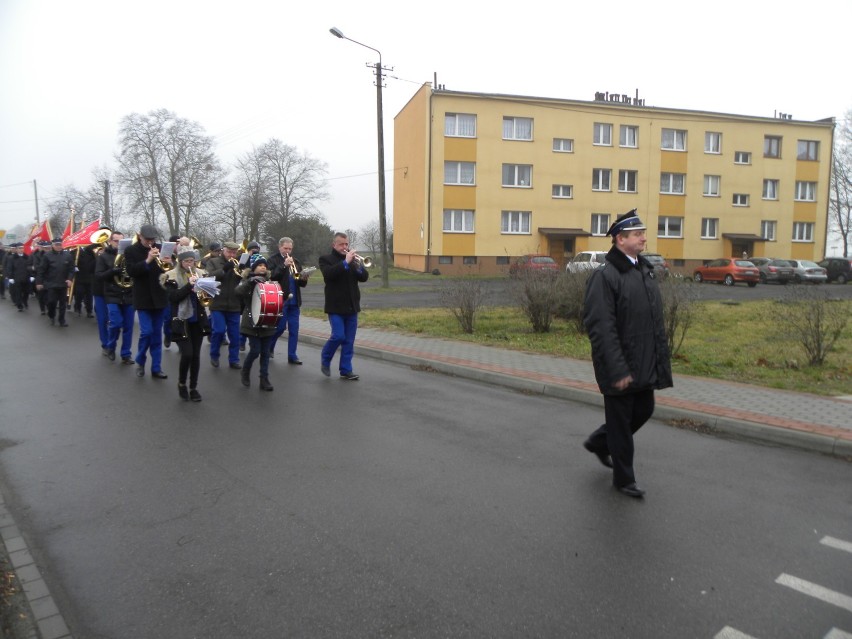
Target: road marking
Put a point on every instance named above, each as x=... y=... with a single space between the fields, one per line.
x=834 y=633
x=816 y=591
x=732 y=633
x=839 y=544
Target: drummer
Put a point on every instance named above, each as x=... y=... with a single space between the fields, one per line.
x=259 y=334
x=226 y=306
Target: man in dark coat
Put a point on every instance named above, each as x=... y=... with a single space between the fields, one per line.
x=118 y=302
x=39 y=251
x=54 y=274
x=142 y=261
x=226 y=307
x=83 y=280
x=287 y=271
x=342 y=272
x=18 y=272
x=624 y=319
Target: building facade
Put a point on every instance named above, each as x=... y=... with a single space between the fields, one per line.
x=481 y=179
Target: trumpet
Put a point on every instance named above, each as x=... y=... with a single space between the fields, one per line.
x=362 y=262
x=164 y=266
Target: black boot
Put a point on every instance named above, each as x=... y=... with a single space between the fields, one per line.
x=184 y=394
x=265 y=385
x=194 y=395
x=244 y=376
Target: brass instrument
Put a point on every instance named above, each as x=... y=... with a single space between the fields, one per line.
x=203 y=298
x=123 y=279
x=362 y=262
x=100 y=237
x=164 y=266
x=196 y=244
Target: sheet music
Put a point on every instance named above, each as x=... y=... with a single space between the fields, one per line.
x=244 y=258
x=209 y=285
x=123 y=244
x=167 y=250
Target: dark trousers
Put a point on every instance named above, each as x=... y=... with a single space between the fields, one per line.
x=83 y=297
x=625 y=414
x=57 y=298
x=258 y=347
x=190 y=354
x=20 y=292
x=41 y=296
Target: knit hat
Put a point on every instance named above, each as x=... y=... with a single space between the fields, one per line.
x=185 y=254
x=252 y=245
x=256 y=260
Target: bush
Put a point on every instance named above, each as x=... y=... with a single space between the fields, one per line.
x=538 y=295
x=678 y=309
x=808 y=316
x=463 y=297
x=572 y=299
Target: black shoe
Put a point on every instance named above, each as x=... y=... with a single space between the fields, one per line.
x=20 y=309
x=296 y=361
x=235 y=365
x=245 y=377
x=159 y=375
x=140 y=371
x=326 y=371
x=89 y=316
x=63 y=324
x=184 y=394
x=271 y=355
x=53 y=321
x=265 y=385
x=194 y=395
x=127 y=360
x=632 y=490
x=349 y=376
x=111 y=356
x=167 y=342
x=214 y=363
x=605 y=459
x=105 y=352
x=44 y=312
x=242 y=348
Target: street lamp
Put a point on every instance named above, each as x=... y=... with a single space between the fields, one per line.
x=381 y=133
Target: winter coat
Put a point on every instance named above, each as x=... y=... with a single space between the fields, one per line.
x=342 y=295
x=178 y=288
x=55 y=269
x=148 y=295
x=223 y=270
x=280 y=273
x=624 y=319
x=17 y=267
x=245 y=290
x=105 y=273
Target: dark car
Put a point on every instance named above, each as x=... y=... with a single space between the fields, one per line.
x=661 y=267
x=773 y=270
x=837 y=269
x=728 y=271
x=534 y=264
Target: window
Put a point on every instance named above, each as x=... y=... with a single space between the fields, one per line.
x=674 y=140
x=806 y=191
x=462 y=125
x=807 y=150
x=502 y=260
x=601 y=179
x=563 y=145
x=712 y=185
x=712 y=142
x=803 y=231
x=770 y=189
x=669 y=226
x=767 y=229
x=517 y=175
x=628 y=136
x=709 y=228
x=602 y=134
x=771 y=146
x=458 y=221
x=445 y=259
x=600 y=223
x=627 y=181
x=459 y=173
x=517 y=128
x=515 y=222
x=563 y=191
x=742 y=157
x=672 y=183
x=469 y=259
x=740 y=199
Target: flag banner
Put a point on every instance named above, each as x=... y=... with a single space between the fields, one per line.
x=69 y=228
x=38 y=233
x=81 y=237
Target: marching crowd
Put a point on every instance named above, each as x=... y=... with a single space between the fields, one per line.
x=255 y=300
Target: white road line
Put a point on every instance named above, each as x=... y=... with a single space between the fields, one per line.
x=731 y=633
x=834 y=633
x=836 y=543
x=816 y=591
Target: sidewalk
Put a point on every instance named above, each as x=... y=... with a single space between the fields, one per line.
x=801 y=420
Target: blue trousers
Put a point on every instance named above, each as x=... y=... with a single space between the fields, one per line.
x=102 y=317
x=120 y=321
x=343 y=329
x=289 y=322
x=222 y=322
x=258 y=347
x=150 y=337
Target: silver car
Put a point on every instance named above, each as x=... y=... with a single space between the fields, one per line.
x=586 y=261
x=807 y=271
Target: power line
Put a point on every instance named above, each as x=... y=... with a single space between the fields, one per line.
x=6 y=186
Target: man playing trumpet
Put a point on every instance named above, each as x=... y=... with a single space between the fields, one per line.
x=227 y=306
x=287 y=271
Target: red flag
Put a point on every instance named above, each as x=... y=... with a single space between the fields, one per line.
x=43 y=233
x=83 y=237
x=69 y=228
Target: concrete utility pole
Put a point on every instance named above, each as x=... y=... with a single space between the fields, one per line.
x=35 y=191
x=106 y=219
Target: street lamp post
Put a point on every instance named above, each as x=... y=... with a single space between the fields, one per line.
x=381 y=141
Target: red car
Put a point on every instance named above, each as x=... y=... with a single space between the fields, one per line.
x=534 y=264
x=728 y=271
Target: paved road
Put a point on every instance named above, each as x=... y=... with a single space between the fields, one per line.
x=408 y=504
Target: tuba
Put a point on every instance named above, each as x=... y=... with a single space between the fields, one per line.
x=122 y=279
x=100 y=237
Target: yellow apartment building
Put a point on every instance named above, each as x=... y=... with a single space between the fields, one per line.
x=483 y=178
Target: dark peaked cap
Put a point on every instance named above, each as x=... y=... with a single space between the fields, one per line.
x=627 y=222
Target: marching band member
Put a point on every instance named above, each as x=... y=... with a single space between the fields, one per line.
x=85 y=274
x=54 y=274
x=188 y=318
x=226 y=306
x=286 y=270
x=99 y=299
x=252 y=248
x=149 y=298
x=214 y=250
x=17 y=272
x=259 y=337
x=39 y=251
x=118 y=301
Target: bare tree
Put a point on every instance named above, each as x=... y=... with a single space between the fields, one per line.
x=253 y=191
x=840 y=197
x=86 y=207
x=298 y=182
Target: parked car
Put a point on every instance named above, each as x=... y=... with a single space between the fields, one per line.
x=773 y=270
x=586 y=261
x=533 y=264
x=661 y=267
x=837 y=268
x=807 y=271
x=728 y=271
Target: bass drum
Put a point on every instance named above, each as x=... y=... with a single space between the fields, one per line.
x=267 y=304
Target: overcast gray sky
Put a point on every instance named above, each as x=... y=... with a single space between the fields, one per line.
x=251 y=70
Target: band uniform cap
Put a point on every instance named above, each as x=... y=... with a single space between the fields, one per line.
x=626 y=222
x=57 y=240
x=257 y=260
x=186 y=254
x=215 y=246
x=41 y=243
x=231 y=245
x=149 y=232
x=252 y=245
